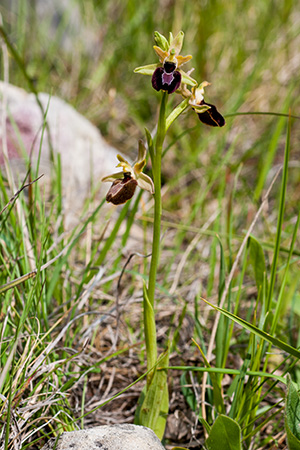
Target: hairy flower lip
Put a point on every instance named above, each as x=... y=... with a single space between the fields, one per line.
x=122 y=190
x=211 y=116
x=166 y=81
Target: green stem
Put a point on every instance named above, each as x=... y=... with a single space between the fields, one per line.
x=149 y=295
x=156 y=166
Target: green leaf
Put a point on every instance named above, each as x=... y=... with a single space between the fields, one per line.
x=222 y=331
x=262 y=334
x=216 y=384
x=257 y=260
x=179 y=448
x=154 y=409
x=292 y=416
x=205 y=424
x=188 y=392
x=239 y=383
x=176 y=112
x=225 y=434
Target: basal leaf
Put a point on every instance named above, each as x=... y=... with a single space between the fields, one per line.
x=225 y=434
x=292 y=416
x=154 y=409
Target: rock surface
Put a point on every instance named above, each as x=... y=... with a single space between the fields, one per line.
x=85 y=156
x=114 y=437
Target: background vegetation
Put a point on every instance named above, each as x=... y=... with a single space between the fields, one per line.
x=71 y=335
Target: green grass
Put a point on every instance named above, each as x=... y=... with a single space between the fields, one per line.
x=60 y=340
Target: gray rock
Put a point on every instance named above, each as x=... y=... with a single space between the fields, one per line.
x=114 y=437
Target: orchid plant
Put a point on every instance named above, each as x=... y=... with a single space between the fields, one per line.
x=168 y=77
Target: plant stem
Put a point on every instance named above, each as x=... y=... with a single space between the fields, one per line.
x=149 y=294
x=156 y=165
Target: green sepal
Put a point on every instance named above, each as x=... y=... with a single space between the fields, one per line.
x=161 y=41
x=176 y=43
x=186 y=79
x=113 y=177
x=147 y=70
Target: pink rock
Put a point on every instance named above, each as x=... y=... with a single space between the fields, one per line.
x=85 y=155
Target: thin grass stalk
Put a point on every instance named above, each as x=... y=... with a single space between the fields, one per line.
x=277 y=241
x=280 y=216
x=283 y=284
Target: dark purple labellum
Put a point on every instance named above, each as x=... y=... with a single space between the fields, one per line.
x=167 y=81
x=211 y=117
x=121 y=190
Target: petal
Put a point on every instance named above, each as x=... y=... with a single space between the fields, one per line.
x=145 y=182
x=199 y=109
x=122 y=160
x=121 y=191
x=126 y=168
x=183 y=59
x=146 y=70
x=212 y=117
x=198 y=92
x=161 y=53
x=202 y=86
x=125 y=164
x=113 y=177
x=141 y=162
x=138 y=167
x=187 y=79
